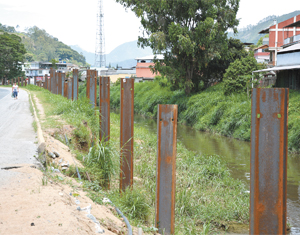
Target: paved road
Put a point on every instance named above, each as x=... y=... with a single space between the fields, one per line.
x=17 y=136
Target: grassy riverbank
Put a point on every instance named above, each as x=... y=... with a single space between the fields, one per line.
x=209 y=110
x=207 y=197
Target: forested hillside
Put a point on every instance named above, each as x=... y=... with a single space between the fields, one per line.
x=41 y=46
x=250 y=33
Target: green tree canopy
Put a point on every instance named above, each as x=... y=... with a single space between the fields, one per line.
x=12 y=53
x=191 y=34
x=260 y=41
x=239 y=74
x=44 y=47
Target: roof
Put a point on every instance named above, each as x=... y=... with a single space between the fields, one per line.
x=278 y=68
x=265 y=30
x=262 y=47
x=295 y=47
x=295 y=24
x=150 y=57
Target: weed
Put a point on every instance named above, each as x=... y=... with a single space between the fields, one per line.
x=45 y=180
x=99 y=160
x=134 y=202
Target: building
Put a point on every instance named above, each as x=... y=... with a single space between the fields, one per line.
x=288 y=67
x=114 y=74
x=143 y=67
x=281 y=34
x=261 y=54
x=38 y=70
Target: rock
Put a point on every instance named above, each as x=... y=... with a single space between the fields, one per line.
x=64 y=168
x=65 y=164
x=32 y=224
x=51 y=155
x=56 y=153
x=41 y=148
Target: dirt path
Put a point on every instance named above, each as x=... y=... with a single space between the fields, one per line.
x=32 y=202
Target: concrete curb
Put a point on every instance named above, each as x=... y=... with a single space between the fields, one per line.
x=41 y=140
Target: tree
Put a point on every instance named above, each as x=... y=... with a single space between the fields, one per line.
x=238 y=76
x=12 y=53
x=234 y=50
x=260 y=41
x=29 y=57
x=54 y=65
x=190 y=34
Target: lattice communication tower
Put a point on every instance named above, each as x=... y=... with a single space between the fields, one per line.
x=100 y=39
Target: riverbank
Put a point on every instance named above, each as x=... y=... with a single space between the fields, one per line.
x=209 y=110
x=207 y=197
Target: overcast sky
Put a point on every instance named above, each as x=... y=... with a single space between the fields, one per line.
x=74 y=22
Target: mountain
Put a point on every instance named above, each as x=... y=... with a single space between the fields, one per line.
x=250 y=33
x=123 y=55
x=41 y=46
x=89 y=56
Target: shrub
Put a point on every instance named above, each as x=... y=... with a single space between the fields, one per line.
x=238 y=76
x=100 y=161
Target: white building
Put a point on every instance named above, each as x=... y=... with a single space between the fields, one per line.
x=38 y=70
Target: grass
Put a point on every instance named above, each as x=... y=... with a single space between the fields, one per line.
x=209 y=110
x=205 y=191
x=208 y=199
x=34 y=125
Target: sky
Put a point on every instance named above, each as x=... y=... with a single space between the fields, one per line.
x=75 y=22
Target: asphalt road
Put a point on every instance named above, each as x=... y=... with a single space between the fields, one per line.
x=17 y=136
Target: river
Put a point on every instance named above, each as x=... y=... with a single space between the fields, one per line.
x=237 y=155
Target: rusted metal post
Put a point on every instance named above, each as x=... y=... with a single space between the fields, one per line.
x=62 y=84
x=56 y=82
x=104 y=106
x=268 y=184
x=22 y=81
x=59 y=85
x=166 y=168
x=52 y=80
x=49 y=84
x=66 y=89
x=88 y=78
x=46 y=82
x=70 y=90
x=91 y=86
x=75 y=84
x=126 y=135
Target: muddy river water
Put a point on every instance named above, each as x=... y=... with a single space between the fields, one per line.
x=237 y=155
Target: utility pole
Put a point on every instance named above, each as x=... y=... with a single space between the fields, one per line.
x=100 y=39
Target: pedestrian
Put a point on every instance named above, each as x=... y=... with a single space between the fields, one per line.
x=15 y=90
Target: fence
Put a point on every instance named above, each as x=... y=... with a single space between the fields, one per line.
x=268 y=189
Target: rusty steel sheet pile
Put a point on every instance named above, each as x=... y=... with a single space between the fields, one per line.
x=166 y=168
x=104 y=108
x=126 y=134
x=268 y=172
x=75 y=84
